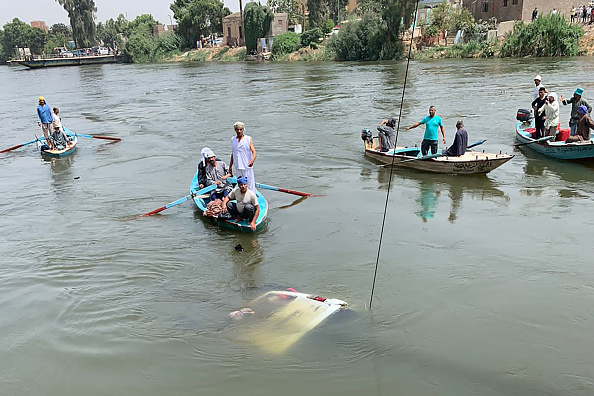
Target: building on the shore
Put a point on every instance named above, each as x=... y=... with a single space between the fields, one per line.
x=40 y=25
x=233 y=34
x=515 y=10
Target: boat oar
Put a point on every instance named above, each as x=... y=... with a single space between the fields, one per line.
x=534 y=141
x=117 y=139
x=425 y=157
x=285 y=190
x=181 y=200
x=18 y=145
x=477 y=143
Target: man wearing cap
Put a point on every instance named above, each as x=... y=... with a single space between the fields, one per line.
x=576 y=101
x=45 y=119
x=537 y=86
x=246 y=206
x=243 y=155
x=386 y=135
x=432 y=123
x=216 y=172
x=584 y=124
x=460 y=144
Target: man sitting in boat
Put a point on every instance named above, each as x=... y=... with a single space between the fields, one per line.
x=576 y=101
x=217 y=172
x=246 y=207
x=584 y=124
x=202 y=167
x=58 y=136
x=386 y=135
x=460 y=144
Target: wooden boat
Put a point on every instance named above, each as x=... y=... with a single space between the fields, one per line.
x=278 y=319
x=41 y=143
x=202 y=200
x=556 y=149
x=472 y=162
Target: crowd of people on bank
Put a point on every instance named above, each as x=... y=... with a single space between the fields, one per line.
x=545 y=106
x=582 y=14
x=51 y=125
x=241 y=202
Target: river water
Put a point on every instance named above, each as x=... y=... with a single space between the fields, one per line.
x=485 y=284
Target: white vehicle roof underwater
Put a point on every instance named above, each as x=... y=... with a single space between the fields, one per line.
x=277 y=319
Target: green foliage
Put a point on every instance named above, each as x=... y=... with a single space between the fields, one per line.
x=198 y=18
x=318 y=13
x=395 y=15
x=285 y=43
x=328 y=26
x=19 y=34
x=359 y=40
x=59 y=28
x=256 y=20
x=110 y=33
x=311 y=36
x=291 y=7
x=445 y=18
x=550 y=35
x=82 y=20
x=144 y=22
x=55 y=41
x=142 y=46
x=472 y=49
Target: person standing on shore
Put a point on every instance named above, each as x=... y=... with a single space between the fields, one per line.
x=45 y=119
x=576 y=101
x=432 y=123
x=534 y=14
x=243 y=155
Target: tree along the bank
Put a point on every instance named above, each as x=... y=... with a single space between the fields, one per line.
x=256 y=21
x=20 y=34
x=82 y=21
x=111 y=32
x=198 y=18
x=377 y=34
x=142 y=45
x=318 y=13
x=550 y=35
x=291 y=7
x=59 y=36
x=445 y=18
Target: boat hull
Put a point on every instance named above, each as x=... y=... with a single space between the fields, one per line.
x=242 y=225
x=472 y=162
x=583 y=151
x=58 y=153
x=75 y=61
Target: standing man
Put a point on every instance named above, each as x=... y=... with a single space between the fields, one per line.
x=460 y=144
x=537 y=86
x=243 y=155
x=246 y=206
x=576 y=101
x=534 y=14
x=45 y=119
x=539 y=116
x=432 y=123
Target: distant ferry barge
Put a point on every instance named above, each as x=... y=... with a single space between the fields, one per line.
x=74 y=61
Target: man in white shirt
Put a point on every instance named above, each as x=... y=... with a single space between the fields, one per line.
x=537 y=86
x=246 y=206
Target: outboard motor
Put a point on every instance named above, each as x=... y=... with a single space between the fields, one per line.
x=523 y=115
x=367 y=135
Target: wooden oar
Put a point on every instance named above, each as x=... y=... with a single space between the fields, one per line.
x=285 y=190
x=534 y=141
x=181 y=200
x=477 y=143
x=426 y=157
x=18 y=145
x=117 y=139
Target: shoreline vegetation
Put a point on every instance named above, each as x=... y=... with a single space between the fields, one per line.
x=370 y=33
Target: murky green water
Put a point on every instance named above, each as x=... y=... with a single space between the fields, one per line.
x=485 y=284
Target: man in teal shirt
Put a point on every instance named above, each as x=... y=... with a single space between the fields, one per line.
x=432 y=123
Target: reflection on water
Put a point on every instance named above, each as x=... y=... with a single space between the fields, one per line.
x=427 y=200
x=247 y=274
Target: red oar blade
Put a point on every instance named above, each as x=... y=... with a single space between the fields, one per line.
x=17 y=146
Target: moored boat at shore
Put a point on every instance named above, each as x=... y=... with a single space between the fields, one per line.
x=202 y=200
x=73 y=61
x=576 y=151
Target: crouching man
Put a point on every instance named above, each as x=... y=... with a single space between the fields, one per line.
x=246 y=205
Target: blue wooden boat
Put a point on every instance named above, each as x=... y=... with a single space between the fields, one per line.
x=556 y=149
x=41 y=144
x=202 y=200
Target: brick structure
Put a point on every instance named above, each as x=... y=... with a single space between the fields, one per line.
x=40 y=25
x=509 y=10
x=233 y=33
x=279 y=24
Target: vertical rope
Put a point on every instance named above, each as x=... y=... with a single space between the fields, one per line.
x=393 y=156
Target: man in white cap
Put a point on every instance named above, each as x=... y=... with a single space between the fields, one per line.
x=243 y=155
x=537 y=86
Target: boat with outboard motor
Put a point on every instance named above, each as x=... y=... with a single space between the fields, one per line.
x=471 y=162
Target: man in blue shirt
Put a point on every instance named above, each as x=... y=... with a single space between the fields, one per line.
x=432 y=123
x=45 y=119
